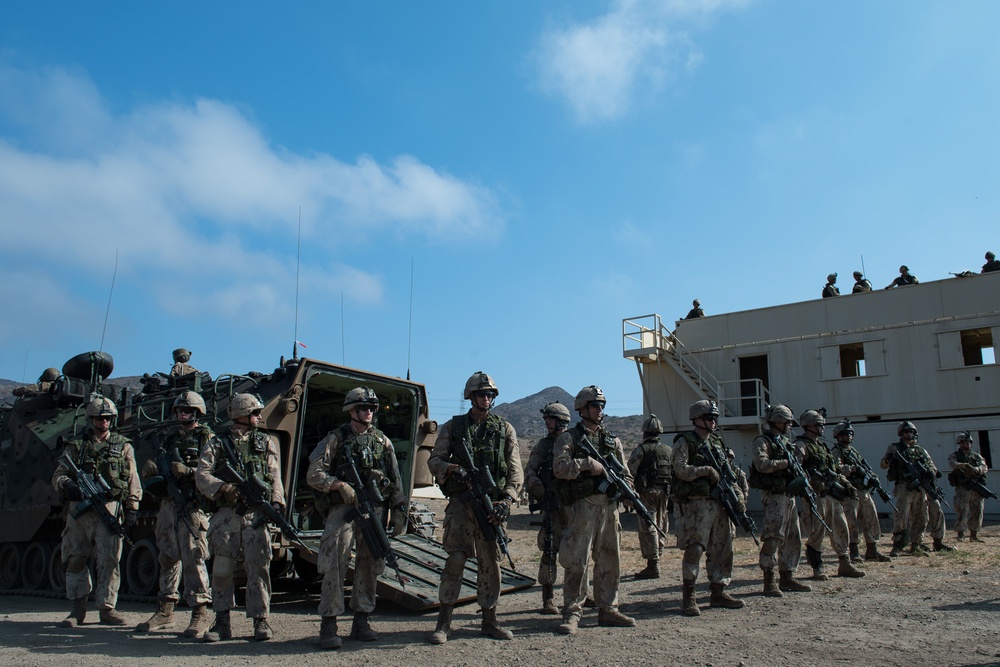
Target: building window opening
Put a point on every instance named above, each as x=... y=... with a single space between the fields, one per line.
x=984 y=448
x=852 y=360
x=977 y=347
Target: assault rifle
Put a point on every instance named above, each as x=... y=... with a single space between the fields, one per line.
x=726 y=494
x=922 y=477
x=367 y=514
x=256 y=495
x=807 y=491
x=549 y=505
x=834 y=487
x=96 y=493
x=614 y=484
x=479 y=498
x=982 y=490
x=869 y=480
x=163 y=461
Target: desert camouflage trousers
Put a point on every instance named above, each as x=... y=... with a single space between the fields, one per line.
x=968 y=510
x=862 y=518
x=650 y=542
x=464 y=540
x=780 y=540
x=915 y=513
x=593 y=531
x=548 y=568
x=183 y=547
x=705 y=528
x=335 y=556
x=82 y=538
x=231 y=538
x=832 y=512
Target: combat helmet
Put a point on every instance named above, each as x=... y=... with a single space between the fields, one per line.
x=480 y=381
x=102 y=407
x=557 y=411
x=182 y=355
x=905 y=426
x=813 y=418
x=652 y=425
x=964 y=436
x=843 y=426
x=49 y=375
x=360 y=396
x=702 y=408
x=776 y=412
x=587 y=395
x=831 y=278
x=190 y=399
x=243 y=404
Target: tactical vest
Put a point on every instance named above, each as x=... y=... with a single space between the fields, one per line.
x=107 y=459
x=775 y=482
x=545 y=473
x=656 y=467
x=817 y=457
x=251 y=449
x=186 y=446
x=857 y=476
x=897 y=470
x=368 y=451
x=700 y=487
x=571 y=490
x=486 y=442
x=961 y=480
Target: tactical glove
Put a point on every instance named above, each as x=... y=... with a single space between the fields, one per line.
x=278 y=507
x=178 y=469
x=501 y=510
x=347 y=493
x=72 y=490
x=712 y=475
x=229 y=492
x=781 y=464
x=131 y=518
x=592 y=467
x=397 y=521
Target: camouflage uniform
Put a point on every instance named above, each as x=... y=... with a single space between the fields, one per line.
x=538 y=480
x=781 y=543
x=968 y=503
x=815 y=456
x=593 y=528
x=232 y=536
x=376 y=459
x=650 y=464
x=915 y=512
x=860 y=511
x=86 y=535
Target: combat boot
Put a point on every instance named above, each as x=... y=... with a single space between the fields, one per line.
x=961 y=536
x=919 y=549
x=199 y=621
x=262 y=630
x=651 y=571
x=974 y=537
x=361 y=629
x=548 y=600
x=941 y=546
x=491 y=627
x=899 y=543
x=771 y=589
x=855 y=553
x=815 y=560
x=570 y=625
x=720 y=598
x=161 y=620
x=77 y=616
x=328 y=633
x=612 y=618
x=871 y=553
x=689 y=606
x=847 y=569
x=789 y=584
x=443 y=629
x=221 y=628
x=112 y=617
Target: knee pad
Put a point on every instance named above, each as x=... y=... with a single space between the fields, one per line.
x=693 y=554
x=76 y=564
x=223 y=567
x=455 y=564
x=769 y=547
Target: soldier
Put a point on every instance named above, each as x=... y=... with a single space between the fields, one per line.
x=991 y=263
x=376 y=463
x=705 y=527
x=904 y=278
x=231 y=535
x=538 y=480
x=915 y=511
x=770 y=473
x=180 y=524
x=181 y=366
x=831 y=289
x=492 y=442
x=832 y=489
x=99 y=452
x=862 y=517
x=651 y=464
x=696 y=311
x=967 y=468
x=861 y=284
x=593 y=528
x=43 y=386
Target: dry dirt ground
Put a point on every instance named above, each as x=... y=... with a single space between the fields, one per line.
x=939 y=610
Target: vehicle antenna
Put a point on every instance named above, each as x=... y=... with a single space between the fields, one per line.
x=110 y=293
x=298 y=262
x=409 y=333
x=24 y=371
x=864 y=274
x=343 y=347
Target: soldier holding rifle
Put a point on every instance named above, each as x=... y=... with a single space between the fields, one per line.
x=968 y=476
x=862 y=517
x=651 y=466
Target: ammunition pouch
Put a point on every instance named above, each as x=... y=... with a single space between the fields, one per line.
x=683 y=490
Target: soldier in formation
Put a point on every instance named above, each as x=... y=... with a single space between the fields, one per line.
x=234 y=536
x=375 y=460
x=704 y=525
x=98 y=452
x=492 y=443
x=781 y=543
x=651 y=465
x=862 y=517
x=968 y=469
x=832 y=488
x=181 y=525
x=593 y=531
x=539 y=482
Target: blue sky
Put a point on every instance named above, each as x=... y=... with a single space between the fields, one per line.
x=542 y=169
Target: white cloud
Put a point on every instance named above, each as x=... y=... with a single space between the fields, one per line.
x=599 y=66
